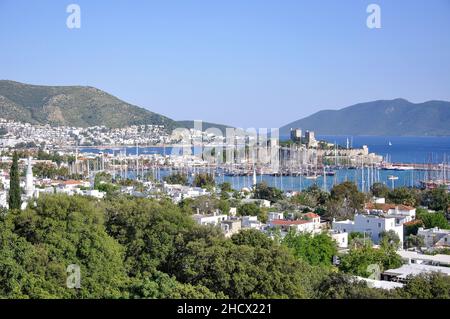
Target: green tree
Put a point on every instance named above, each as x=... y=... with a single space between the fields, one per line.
x=345 y=200
x=226 y=187
x=61 y=230
x=253 y=238
x=264 y=191
x=343 y=286
x=389 y=240
x=240 y=271
x=147 y=229
x=379 y=190
x=427 y=286
x=316 y=250
x=436 y=199
x=252 y=209
x=431 y=220
x=357 y=261
x=176 y=178
x=204 y=180
x=412 y=241
x=14 y=198
x=404 y=196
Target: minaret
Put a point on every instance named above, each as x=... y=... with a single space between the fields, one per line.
x=254 y=177
x=29 y=185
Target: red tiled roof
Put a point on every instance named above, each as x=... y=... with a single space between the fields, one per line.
x=386 y=207
x=413 y=222
x=311 y=215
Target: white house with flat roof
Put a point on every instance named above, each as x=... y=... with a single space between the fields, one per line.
x=435 y=237
x=275 y=216
x=412 y=257
x=341 y=238
x=372 y=225
x=211 y=219
x=402 y=273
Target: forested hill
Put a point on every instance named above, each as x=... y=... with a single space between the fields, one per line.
x=72 y=106
x=397 y=117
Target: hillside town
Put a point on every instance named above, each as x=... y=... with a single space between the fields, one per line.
x=380 y=219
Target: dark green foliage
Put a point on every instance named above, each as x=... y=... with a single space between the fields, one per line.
x=204 y=180
x=427 y=286
x=252 y=209
x=404 y=196
x=45 y=170
x=264 y=191
x=50 y=236
x=239 y=271
x=14 y=197
x=431 y=220
x=379 y=190
x=313 y=196
x=253 y=238
x=147 y=229
x=357 y=260
x=345 y=200
x=436 y=199
x=142 y=248
x=176 y=178
x=343 y=286
x=226 y=187
x=413 y=227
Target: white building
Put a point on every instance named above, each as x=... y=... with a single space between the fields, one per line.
x=275 y=216
x=4 y=199
x=412 y=257
x=211 y=219
x=371 y=224
x=179 y=192
x=402 y=273
x=29 y=180
x=402 y=213
x=251 y=222
x=94 y=193
x=230 y=227
x=310 y=224
x=435 y=237
x=341 y=238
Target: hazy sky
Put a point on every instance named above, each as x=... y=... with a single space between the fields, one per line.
x=248 y=63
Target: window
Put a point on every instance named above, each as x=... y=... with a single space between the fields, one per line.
x=379 y=225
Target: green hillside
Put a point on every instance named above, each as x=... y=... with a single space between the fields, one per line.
x=72 y=106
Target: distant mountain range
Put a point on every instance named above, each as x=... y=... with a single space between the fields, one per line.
x=87 y=106
x=397 y=117
x=80 y=106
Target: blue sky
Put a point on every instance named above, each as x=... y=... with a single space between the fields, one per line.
x=247 y=63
